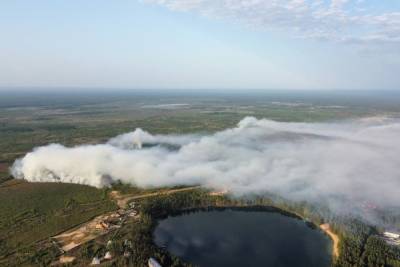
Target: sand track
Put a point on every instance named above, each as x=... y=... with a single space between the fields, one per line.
x=87 y=231
x=335 y=239
x=90 y=230
x=123 y=200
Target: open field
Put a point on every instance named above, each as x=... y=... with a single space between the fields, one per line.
x=87 y=231
x=32 y=212
x=123 y=200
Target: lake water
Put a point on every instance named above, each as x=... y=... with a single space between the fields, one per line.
x=243 y=238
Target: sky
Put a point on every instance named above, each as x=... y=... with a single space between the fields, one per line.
x=195 y=44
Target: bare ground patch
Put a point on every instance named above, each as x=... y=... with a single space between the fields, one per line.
x=335 y=239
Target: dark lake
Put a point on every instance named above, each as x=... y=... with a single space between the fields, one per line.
x=243 y=238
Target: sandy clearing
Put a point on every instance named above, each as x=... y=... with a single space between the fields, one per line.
x=335 y=238
x=90 y=230
x=123 y=200
x=84 y=233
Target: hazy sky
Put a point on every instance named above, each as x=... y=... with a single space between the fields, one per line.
x=269 y=44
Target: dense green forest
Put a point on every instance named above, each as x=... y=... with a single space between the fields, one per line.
x=359 y=244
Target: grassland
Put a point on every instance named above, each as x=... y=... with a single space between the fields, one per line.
x=32 y=211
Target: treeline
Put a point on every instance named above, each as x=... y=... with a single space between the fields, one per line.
x=156 y=208
x=360 y=245
x=133 y=244
x=141 y=247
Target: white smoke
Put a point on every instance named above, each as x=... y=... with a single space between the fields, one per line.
x=343 y=164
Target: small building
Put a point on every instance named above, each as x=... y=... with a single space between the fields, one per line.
x=121 y=212
x=132 y=213
x=154 y=263
x=95 y=261
x=391 y=238
x=219 y=193
x=66 y=259
x=108 y=256
x=115 y=226
x=391 y=235
x=115 y=215
x=102 y=225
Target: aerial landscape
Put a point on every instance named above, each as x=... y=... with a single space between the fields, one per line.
x=200 y=133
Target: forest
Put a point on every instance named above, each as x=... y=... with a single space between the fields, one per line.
x=360 y=244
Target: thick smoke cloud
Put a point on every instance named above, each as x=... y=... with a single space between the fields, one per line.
x=344 y=165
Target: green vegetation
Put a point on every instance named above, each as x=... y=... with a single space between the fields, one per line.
x=378 y=253
x=30 y=213
x=34 y=211
x=360 y=246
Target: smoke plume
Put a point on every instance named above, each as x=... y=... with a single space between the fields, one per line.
x=347 y=164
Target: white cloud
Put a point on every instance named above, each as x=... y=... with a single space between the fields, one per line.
x=337 y=20
x=343 y=165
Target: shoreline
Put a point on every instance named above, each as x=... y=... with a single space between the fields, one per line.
x=326 y=228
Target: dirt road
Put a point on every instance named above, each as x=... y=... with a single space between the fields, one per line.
x=123 y=200
x=88 y=231
x=335 y=238
x=92 y=229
